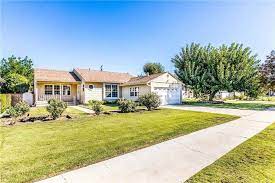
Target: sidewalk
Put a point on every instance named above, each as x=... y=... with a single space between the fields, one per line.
x=88 y=111
x=175 y=160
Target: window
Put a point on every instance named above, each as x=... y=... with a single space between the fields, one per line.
x=114 y=90
x=48 y=89
x=134 y=91
x=66 y=90
x=91 y=87
x=57 y=89
x=108 y=90
x=111 y=91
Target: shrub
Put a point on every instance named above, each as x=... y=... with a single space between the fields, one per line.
x=20 y=109
x=110 y=102
x=5 y=102
x=96 y=106
x=264 y=98
x=126 y=106
x=56 y=108
x=150 y=101
x=241 y=97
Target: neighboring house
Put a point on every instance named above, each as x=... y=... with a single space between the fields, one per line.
x=187 y=92
x=82 y=85
x=226 y=94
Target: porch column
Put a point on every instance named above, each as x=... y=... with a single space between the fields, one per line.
x=103 y=95
x=60 y=90
x=35 y=92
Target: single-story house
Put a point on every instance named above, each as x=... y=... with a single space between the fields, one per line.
x=226 y=94
x=82 y=85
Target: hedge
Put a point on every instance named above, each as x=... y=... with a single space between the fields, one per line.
x=5 y=102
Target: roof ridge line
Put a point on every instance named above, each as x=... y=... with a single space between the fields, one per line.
x=104 y=71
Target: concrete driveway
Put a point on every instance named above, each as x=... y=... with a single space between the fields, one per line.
x=178 y=159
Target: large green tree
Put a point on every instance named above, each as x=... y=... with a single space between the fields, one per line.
x=208 y=70
x=17 y=73
x=153 y=68
x=268 y=72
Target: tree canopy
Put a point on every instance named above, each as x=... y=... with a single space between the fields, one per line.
x=17 y=73
x=268 y=72
x=208 y=70
x=153 y=68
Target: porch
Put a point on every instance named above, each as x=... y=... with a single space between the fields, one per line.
x=67 y=92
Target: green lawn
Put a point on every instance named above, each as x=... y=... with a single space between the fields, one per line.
x=110 y=107
x=250 y=105
x=40 y=111
x=34 y=151
x=253 y=161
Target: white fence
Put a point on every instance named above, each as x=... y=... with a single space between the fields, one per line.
x=28 y=97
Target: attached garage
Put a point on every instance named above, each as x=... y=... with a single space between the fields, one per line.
x=168 y=95
x=165 y=85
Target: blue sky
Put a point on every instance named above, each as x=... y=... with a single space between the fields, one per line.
x=122 y=36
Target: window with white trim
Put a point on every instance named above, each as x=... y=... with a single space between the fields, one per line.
x=111 y=91
x=66 y=90
x=114 y=91
x=134 y=91
x=57 y=89
x=48 y=89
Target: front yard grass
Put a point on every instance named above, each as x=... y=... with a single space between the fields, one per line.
x=34 y=151
x=41 y=111
x=252 y=161
x=249 y=105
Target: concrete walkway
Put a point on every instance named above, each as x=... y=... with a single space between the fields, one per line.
x=175 y=160
x=83 y=109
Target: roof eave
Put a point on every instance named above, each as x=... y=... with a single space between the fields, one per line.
x=58 y=81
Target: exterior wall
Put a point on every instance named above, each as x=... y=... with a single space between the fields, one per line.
x=40 y=88
x=143 y=89
x=93 y=94
x=164 y=80
x=97 y=93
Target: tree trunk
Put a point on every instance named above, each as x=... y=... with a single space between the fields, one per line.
x=212 y=95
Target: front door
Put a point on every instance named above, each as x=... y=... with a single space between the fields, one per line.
x=78 y=89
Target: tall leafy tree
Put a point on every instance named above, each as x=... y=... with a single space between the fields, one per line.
x=17 y=73
x=268 y=72
x=153 y=68
x=208 y=70
x=190 y=66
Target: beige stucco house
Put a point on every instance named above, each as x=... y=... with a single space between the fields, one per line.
x=82 y=85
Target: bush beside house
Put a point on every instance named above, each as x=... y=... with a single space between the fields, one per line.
x=19 y=110
x=96 y=106
x=56 y=108
x=151 y=101
x=126 y=106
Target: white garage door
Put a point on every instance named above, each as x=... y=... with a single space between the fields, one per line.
x=168 y=95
